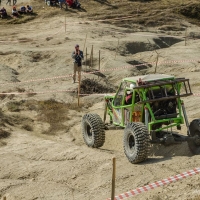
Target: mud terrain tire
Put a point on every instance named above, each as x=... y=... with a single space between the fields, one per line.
x=136 y=142
x=93 y=130
x=194 y=145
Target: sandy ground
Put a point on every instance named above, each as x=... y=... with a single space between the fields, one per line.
x=60 y=166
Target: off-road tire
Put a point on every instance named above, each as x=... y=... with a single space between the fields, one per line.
x=102 y=128
x=194 y=145
x=136 y=142
x=93 y=130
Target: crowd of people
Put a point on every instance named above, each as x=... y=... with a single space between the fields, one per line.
x=28 y=9
x=73 y=3
x=3 y=13
x=15 y=13
x=67 y=3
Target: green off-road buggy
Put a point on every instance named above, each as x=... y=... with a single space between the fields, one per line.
x=147 y=107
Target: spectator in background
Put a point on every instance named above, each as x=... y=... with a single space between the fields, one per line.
x=8 y=2
x=14 y=2
x=3 y=13
x=29 y=9
x=69 y=3
x=61 y=2
x=15 y=12
x=22 y=10
x=73 y=3
x=77 y=4
x=77 y=55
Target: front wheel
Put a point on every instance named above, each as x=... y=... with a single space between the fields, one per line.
x=136 y=142
x=93 y=130
x=194 y=145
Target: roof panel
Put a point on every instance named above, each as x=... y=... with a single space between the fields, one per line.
x=149 y=77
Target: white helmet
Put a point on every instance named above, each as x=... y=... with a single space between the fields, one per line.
x=132 y=85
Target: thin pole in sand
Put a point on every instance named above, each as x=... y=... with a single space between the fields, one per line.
x=113 y=179
x=91 y=57
x=79 y=86
x=185 y=36
x=117 y=48
x=86 y=59
x=85 y=42
x=65 y=23
x=156 y=61
x=99 y=59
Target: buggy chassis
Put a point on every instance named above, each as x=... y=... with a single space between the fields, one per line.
x=156 y=108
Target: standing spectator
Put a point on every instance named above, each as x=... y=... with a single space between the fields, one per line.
x=22 y=10
x=29 y=9
x=73 y=3
x=77 y=4
x=3 y=13
x=14 y=2
x=70 y=3
x=77 y=55
x=61 y=2
x=15 y=12
x=8 y=2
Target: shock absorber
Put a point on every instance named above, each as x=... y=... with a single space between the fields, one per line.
x=146 y=112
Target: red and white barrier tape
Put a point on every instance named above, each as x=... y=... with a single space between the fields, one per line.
x=104 y=70
x=25 y=40
x=101 y=20
x=105 y=20
x=45 y=92
x=58 y=91
x=102 y=94
x=157 y=184
x=144 y=35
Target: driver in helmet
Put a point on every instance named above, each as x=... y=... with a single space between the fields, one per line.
x=129 y=95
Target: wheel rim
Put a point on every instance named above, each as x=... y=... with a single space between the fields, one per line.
x=197 y=139
x=131 y=143
x=88 y=132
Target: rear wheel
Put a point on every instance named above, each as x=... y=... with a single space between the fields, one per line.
x=136 y=142
x=93 y=130
x=194 y=145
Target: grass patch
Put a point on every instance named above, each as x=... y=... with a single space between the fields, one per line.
x=49 y=111
x=90 y=86
x=20 y=20
x=27 y=127
x=4 y=134
x=13 y=106
x=54 y=113
x=191 y=10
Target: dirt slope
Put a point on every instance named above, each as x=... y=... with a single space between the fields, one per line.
x=44 y=156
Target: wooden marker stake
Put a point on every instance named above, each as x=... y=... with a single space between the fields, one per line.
x=117 y=48
x=86 y=59
x=99 y=59
x=185 y=36
x=65 y=23
x=79 y=86
x=113 y=179
x=156 y=62
x=91 y=57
